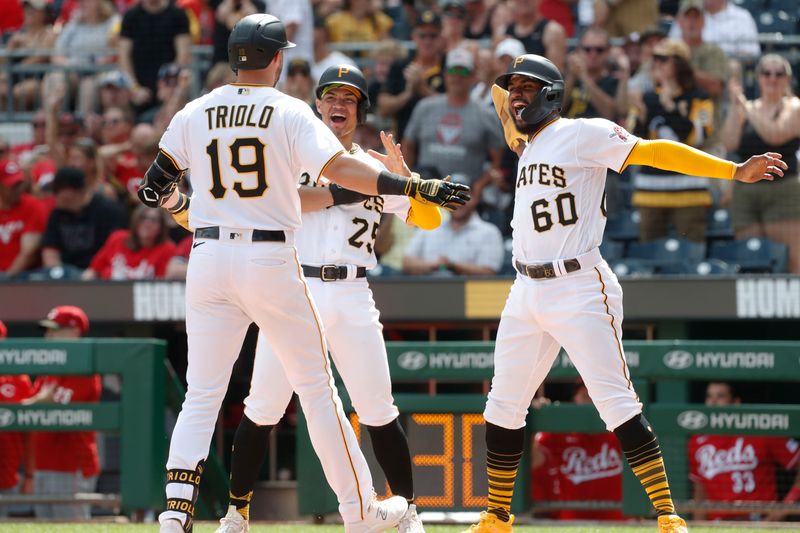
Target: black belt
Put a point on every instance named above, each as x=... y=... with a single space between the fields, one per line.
x=546 y=270
x=331 y=272
x=259 y=235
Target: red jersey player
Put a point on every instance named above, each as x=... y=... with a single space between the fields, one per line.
x=578 y=467
x=725 y=468
x=65 y=462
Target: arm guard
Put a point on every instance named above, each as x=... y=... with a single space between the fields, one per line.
x=159 y=181
x=677 y=157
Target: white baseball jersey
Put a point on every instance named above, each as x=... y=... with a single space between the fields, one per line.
x=345 y=234
x=242 y=127
x=559 y=210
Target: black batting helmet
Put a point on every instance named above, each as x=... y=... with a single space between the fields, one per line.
x=541 y=69
x=255 y=40
x=350 y=76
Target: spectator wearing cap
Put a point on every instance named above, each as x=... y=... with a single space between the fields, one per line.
x=298 y=82
x=64 y=463
x=115 y=91
x=504 y=53
x=639 y=51
x=708 y=61
x=153 y=33
x=412 y=79
x=141 y=253
x=620 y=18
x=358 y=21
x=36 y=33
x=592 y=90
x=79 y=224
x=172 y=93
x=452 y=133
x=731 y=27
x=538 y=34
x=454 y=26
x=770 y=123
x=679 y=110
x=22 y=222
x=324 y=56
x=80 y=43
x=464 y=245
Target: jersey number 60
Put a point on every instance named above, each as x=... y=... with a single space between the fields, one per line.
x=259 y=167
x=565 y=205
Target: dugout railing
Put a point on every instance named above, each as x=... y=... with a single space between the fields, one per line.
x=446 y=430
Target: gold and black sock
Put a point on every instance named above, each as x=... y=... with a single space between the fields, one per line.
x=504 y=449
x=249 y=448
x=641 y=449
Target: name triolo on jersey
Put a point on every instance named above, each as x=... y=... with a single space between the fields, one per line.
x=237 y=116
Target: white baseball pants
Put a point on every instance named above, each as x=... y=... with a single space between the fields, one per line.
x=355 y=339
x=230 y=283
x=582 y=312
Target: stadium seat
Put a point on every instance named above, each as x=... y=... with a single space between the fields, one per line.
x=706 y=267
x=718 y=225
x=632 y=268
x=612 y=250
x=623 y=226
x=752 y=255
x=665 y=252
x=776 y=22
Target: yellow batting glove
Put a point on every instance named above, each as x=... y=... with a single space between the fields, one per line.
x=514 y=138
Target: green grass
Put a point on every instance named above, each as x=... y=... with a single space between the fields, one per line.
x=29 y=527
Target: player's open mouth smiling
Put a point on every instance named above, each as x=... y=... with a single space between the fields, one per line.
x=517 y=106
x=337 y=118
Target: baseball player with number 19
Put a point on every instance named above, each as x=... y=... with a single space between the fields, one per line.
x=565 y=294
x=335 y=246
x=246 y=144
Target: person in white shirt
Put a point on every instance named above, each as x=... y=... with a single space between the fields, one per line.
x=729 y=26
x=324 y=57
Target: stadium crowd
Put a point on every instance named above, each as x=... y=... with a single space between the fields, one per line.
x=100 y=81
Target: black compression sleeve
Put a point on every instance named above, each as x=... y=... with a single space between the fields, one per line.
x=391 y=183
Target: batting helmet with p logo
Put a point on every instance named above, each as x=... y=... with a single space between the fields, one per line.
x=350 y=76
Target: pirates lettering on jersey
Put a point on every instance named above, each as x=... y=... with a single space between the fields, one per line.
x=543 y=174
x=238 y=116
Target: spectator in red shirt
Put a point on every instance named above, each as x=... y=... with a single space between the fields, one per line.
x=141 y=253
x=64 y=463
x=578 y=467
x=22 y=222
x=727 y=468
x=177 y=266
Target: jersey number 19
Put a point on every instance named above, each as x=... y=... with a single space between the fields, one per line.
x=258 y=166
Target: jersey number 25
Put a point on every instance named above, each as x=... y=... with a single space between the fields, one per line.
x=258 y=167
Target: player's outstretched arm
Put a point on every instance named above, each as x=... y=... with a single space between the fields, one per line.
x=677 y=157
x=319 y=198
x=352 y=173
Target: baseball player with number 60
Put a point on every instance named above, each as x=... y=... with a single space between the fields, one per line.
x=565 y=294
x=246 y=144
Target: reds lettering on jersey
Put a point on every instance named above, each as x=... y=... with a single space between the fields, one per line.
x=345 y=234
x=580 y=467
x=559 y=211
x=734 y=467
x=240 y=127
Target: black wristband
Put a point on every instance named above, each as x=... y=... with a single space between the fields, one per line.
x=341 y=195
x=391 y=183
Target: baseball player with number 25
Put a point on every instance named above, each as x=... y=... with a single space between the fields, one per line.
x=565 y=294
x=246 y=144
x=336 y=247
